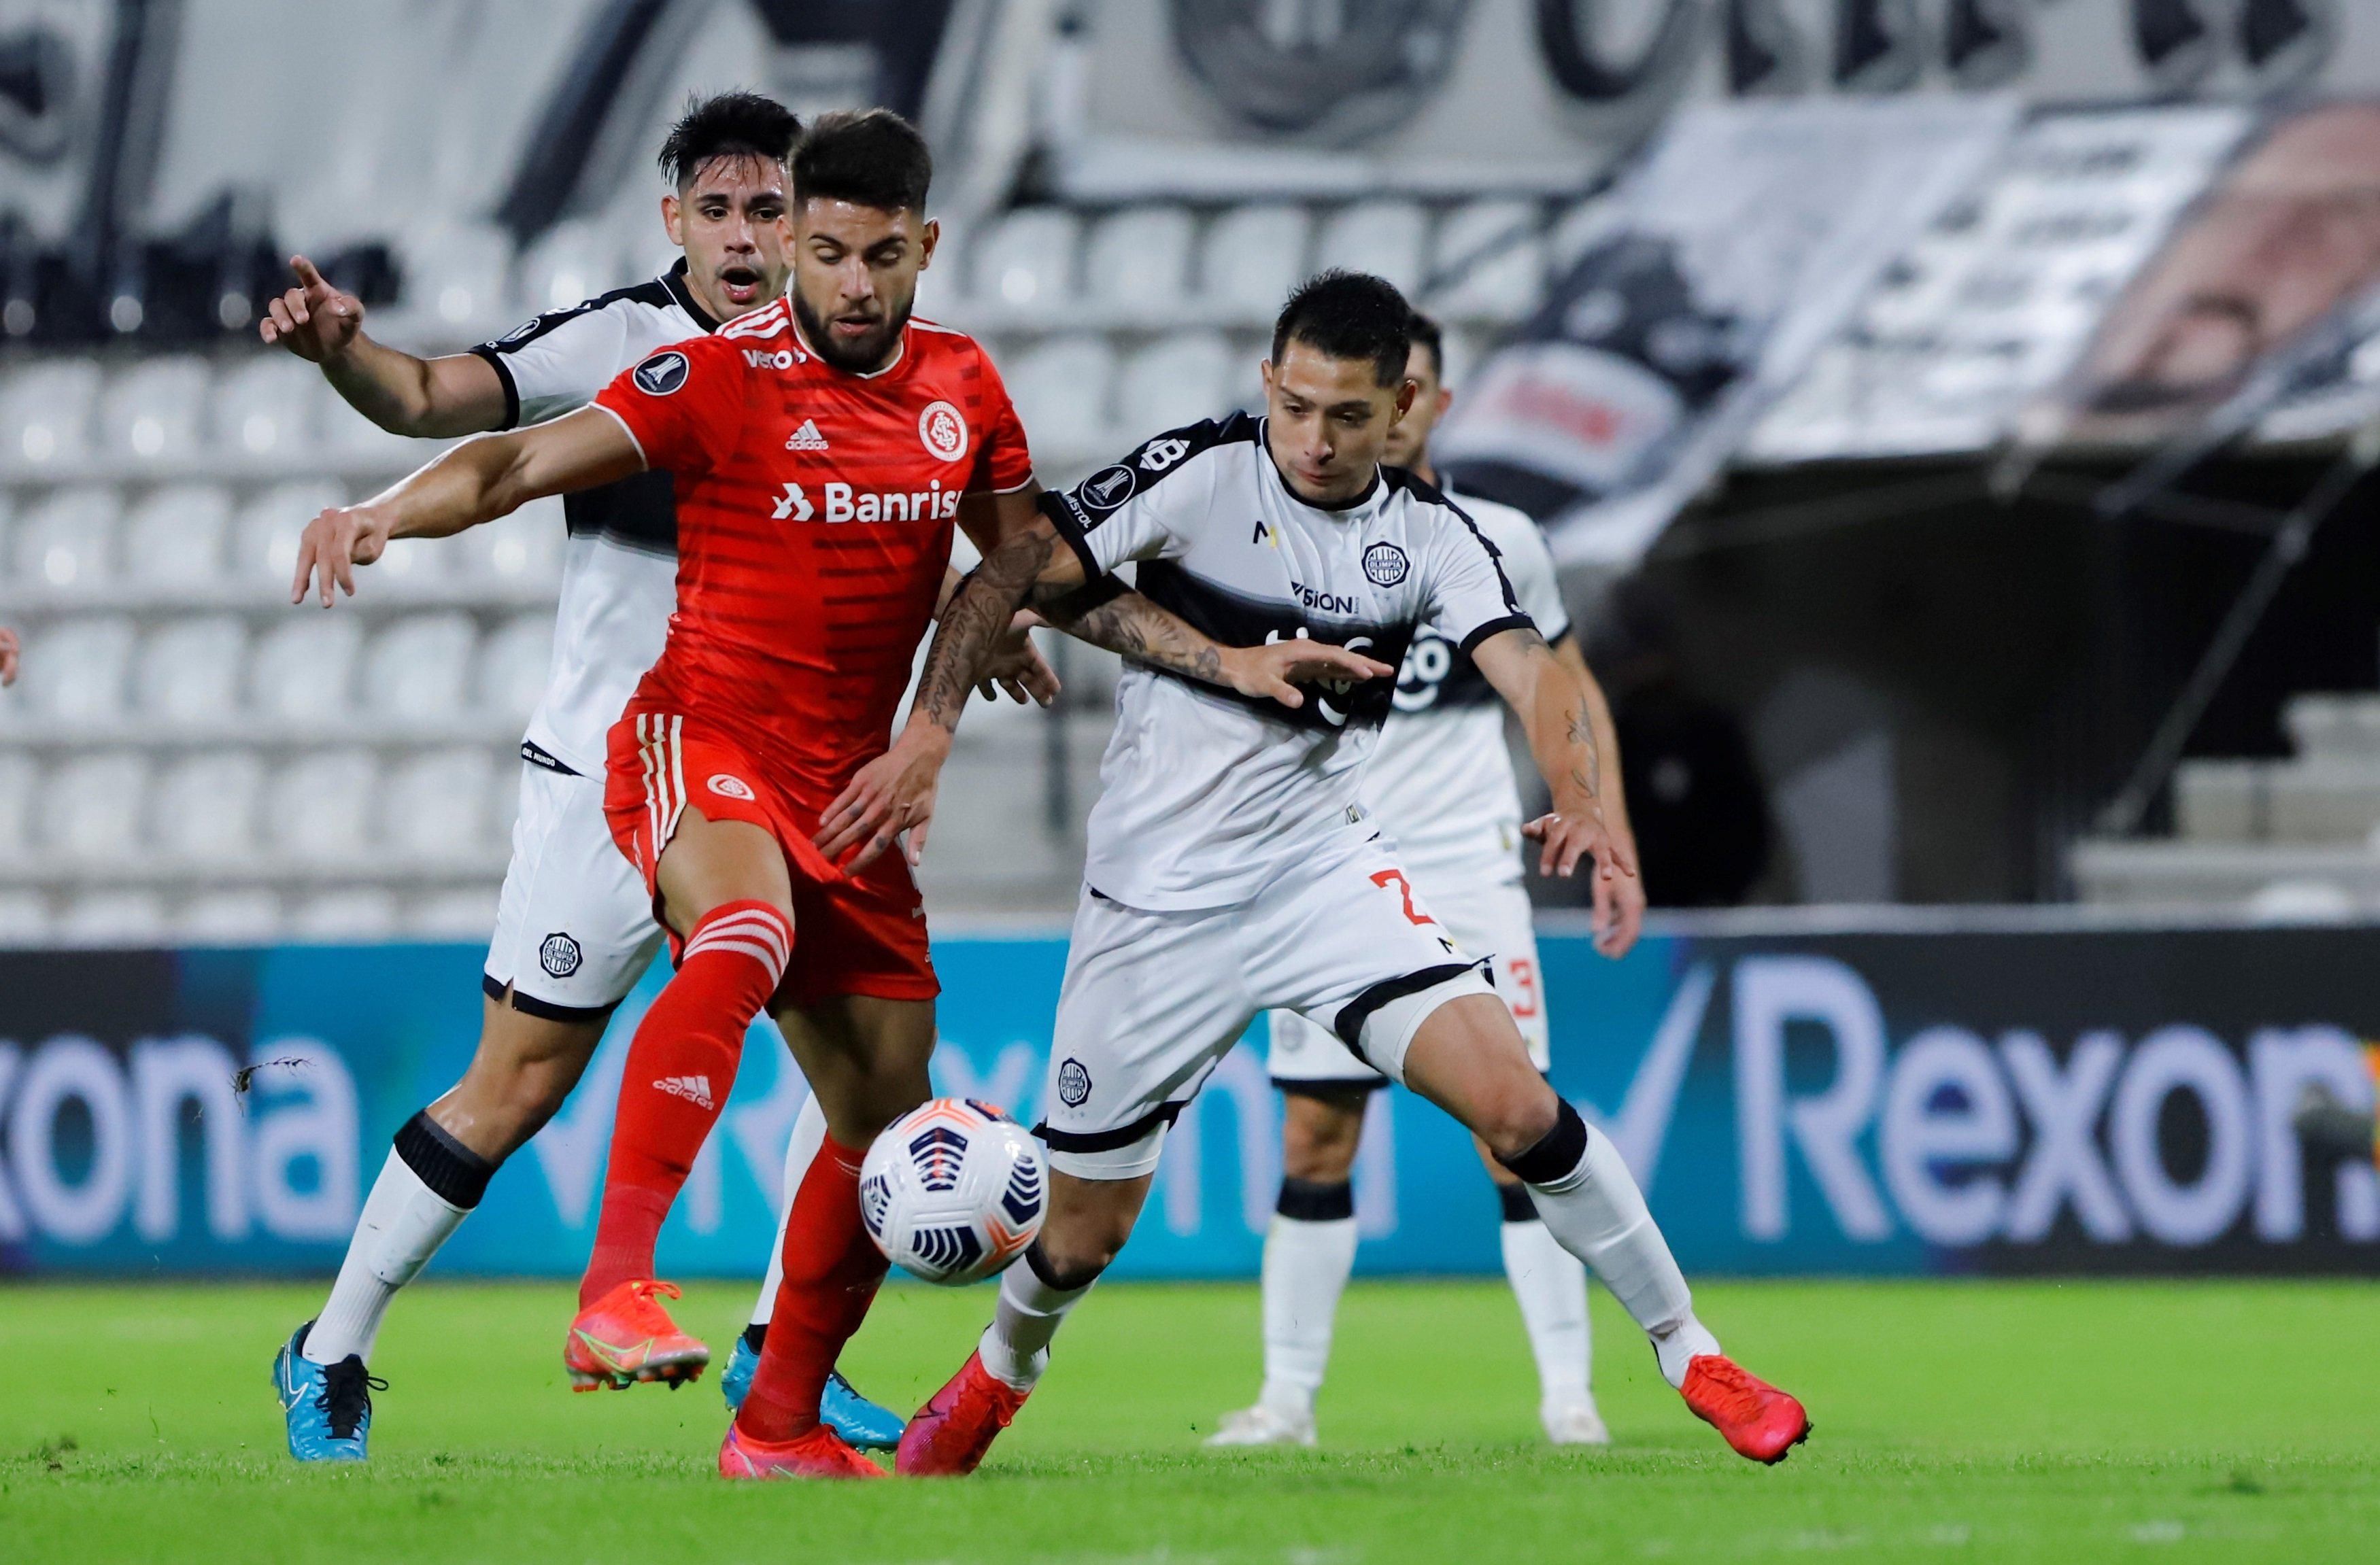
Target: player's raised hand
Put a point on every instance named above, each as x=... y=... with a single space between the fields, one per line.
x=313 y=321
x=1276 y=669
x=333 y=544
x=1017 y=667
x=891 y=794
x=8 y=649
x=1566 y=836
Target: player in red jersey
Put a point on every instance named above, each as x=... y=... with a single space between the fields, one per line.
x=823 y=448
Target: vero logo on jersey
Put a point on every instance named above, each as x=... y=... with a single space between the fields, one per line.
x=807 y=438
x=794 y=503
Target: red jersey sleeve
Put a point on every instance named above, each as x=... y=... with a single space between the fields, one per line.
x=684 y=405
x=1003 y=462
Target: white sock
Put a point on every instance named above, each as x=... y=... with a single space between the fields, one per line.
x=1551 y=1288
x=810 y=1134
x=1015 y=1346
x=1305 y=1268
x=1597 y=1213
x=402 y=1224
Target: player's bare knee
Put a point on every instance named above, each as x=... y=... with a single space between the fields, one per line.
x=1321 y=1136
x=1516 y=1116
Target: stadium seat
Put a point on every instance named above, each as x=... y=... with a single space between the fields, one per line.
x=175 y=537
x=420 y=667
x=570 y=262
x=188 y=671
x=112 y=917
x=464 y=914
x=418 y=567
x=18 y=778
x=155 y=410
x=249 y=917
x=436 y=804
x=1026 y=262
x=1139 y=260
x=66 y=540
x=1060 y=391
x=320 y=810
x=304 y=667
x=45 y=411
x=79 y=674
x=1387 y=238
x=1488 y=261
x=355 y=915
x=454 y=274
x=203 y=806
x=24 y=918
x=1176 y=381
x=514 y=664
x=523 y=551
x=264 y=539
x=1253 y=256
x=91 y=805
x=265 y=405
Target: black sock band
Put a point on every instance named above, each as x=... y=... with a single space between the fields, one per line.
x=755 y=1335
x=455 y=1173
x=1313 y=1200
x=1050 y=1275
x=1557 y=1154
x=1518 y=1208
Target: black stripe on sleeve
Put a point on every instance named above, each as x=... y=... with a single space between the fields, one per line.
x=495 y=358
x=1053 y=505
x=1496 y=627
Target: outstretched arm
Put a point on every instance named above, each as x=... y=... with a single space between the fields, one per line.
x=1619 y=916
x=456 y=395
x=1558 y=718
x=476 y=481
x=1034 y=568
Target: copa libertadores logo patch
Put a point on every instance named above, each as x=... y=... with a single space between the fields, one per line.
x=661 y=374
x=559 y=956
x=1074 y=1083
x=1385 y=564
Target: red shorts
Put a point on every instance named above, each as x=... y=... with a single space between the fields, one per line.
x=863 y=934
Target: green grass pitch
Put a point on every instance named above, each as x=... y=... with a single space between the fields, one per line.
x=1955 y=1422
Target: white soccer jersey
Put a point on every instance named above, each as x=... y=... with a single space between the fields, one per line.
x=1207 y=796
x=1441 y=780
x=619 y=579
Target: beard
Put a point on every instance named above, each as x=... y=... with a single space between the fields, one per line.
x=860 y=357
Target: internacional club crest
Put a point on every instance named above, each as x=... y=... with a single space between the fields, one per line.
x=943 y=431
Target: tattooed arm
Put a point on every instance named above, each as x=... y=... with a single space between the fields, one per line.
x=1032 y=568
x=1558 y=718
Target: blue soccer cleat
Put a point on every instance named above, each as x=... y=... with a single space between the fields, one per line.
x=842 y=1408
x=329 y=1406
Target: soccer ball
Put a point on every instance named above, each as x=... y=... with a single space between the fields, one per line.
x=953 y=1190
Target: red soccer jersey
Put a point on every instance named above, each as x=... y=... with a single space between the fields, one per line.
x=814 y=517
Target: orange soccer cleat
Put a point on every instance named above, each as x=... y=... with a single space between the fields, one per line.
x=625 y=1337
x=1758 y=1420
x=820 y=1453
x=948 y=1436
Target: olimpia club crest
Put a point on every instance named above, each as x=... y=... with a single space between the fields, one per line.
x=1343 y=69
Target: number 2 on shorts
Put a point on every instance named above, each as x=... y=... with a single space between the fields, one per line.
x=1385 y=878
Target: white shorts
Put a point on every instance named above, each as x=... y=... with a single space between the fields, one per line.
x=575 y=927
x=1492 y=921
x=1152 y=1001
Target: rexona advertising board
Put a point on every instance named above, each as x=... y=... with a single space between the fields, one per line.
x=2026 y=1099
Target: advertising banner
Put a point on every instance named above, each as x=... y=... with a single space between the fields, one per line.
x=2024 y=1099
x=1744 y=241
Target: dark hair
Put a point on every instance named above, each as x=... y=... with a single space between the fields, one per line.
x=728 y=125
x=1426 y=334
x=1349 y=315
x=869 y=157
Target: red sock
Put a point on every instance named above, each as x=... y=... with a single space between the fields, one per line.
x=679 y=1069
x=832 y=1272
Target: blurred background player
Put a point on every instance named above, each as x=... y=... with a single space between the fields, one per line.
x=574 y=928
x=1441 y=781
x=9 y=648
x=2328 y=1125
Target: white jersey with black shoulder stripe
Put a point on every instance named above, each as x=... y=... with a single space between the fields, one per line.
x=619 y=578
x=1206 y=796
x=1441 y=780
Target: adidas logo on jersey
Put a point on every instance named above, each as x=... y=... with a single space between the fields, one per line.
x=807 y=438
x=694 y=1089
